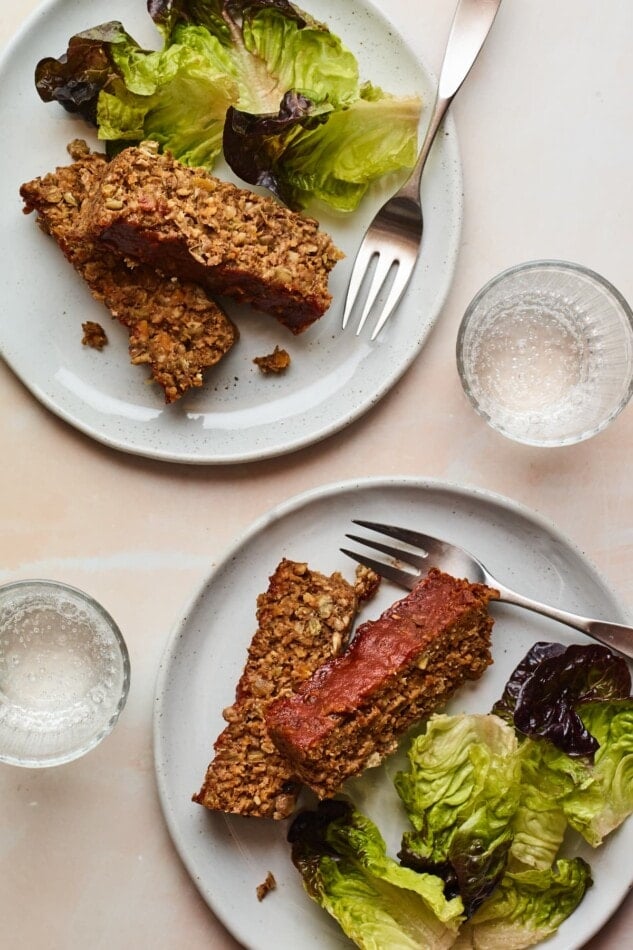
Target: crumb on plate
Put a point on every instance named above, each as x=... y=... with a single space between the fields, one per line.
x=267 y=886
x=94 y=335
x=276 y=362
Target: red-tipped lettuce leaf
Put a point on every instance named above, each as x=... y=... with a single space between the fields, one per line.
x=77 y=77
x=546 y=689
x=216 y=15
x=254 y=144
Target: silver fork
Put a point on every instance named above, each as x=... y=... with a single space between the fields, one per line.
x=432 y=552
x=395 y=234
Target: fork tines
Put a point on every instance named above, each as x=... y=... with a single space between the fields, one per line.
x=383 y=268
x=391 y=571
x=415 y=560
x=414 y=538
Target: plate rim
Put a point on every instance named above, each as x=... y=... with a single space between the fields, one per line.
x=283 y=510
x=134 y=444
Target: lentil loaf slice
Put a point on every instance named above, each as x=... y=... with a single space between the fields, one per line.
x=304 y=618
x=398 y=670
x=174 y=327
x=189 y=224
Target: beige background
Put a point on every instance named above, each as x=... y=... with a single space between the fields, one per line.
x=546 y=136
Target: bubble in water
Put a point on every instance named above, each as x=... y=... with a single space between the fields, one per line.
x=529 y=359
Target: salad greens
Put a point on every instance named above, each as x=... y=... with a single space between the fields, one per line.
x=546 y=692
x=527 y=907
x=594 y=797
x=489 y=804
x=343 y=861
x=259 y=80
x=578 y=700
x=461 y=793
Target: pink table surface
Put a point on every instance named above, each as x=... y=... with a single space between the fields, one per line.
x=546 y=137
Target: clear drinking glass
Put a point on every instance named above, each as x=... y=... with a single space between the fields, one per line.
x=545 y=353
x=64 y=673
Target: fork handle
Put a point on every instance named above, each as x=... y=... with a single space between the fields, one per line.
x=616 y=636
x=470 y=27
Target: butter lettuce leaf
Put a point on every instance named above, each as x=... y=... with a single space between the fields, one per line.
x=612 y=725
x=253 y=62
x=538 y=827
x=527 y=907
x=461 y=793
x=342 y=859
x=306 y=152
x=595 y=797
x=148 y=103
x=573 y=712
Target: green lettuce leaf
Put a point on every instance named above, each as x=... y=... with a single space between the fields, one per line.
x=612 y=725
x=574 y=704
x=148 y=103
x=308 y=59
x=527 y=907
x=343 y=862
x=594 y=797
x=538 y=829
x=461 y=793
x=322 y=154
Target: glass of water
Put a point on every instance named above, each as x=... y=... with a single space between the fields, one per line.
x=545 y=353
x=64 y=673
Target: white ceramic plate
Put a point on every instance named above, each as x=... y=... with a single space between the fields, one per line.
x=228 y=857
x=239 y=415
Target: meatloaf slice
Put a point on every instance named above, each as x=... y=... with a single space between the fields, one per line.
x=398 y=669
x=191 y=225
x=304 y=618
x=174 y=327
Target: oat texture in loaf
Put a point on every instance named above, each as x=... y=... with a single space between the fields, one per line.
x=175 y=329
x=399 y=669
x=304 y=618
x=239 y=244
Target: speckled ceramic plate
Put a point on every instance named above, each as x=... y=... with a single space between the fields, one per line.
x=239 y=415
x=228 y=857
